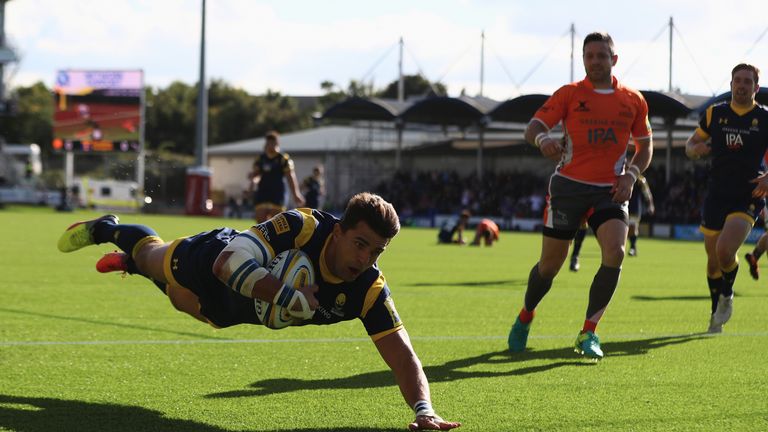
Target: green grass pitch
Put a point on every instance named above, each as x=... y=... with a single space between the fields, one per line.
x=81 y=351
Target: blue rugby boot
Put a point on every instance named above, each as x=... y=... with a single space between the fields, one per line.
x=518 y=336
x=588 y=345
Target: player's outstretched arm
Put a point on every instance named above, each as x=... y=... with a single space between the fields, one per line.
x=397 y=352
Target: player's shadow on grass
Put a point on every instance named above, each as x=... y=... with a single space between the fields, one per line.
x=107 y=323
x=689 y=298
x=489 y=365
x=666 y=298
x=35 y=414
x=511 y=282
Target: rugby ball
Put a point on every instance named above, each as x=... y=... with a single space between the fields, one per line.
x=294 y=268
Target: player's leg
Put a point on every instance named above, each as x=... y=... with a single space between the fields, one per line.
x=131 y=239
x=565 y=200
x=262 y=213
x=554 y=251
x=735 y=231
x=185 y=301
x=577 y=242
x=611 y=235
x=634 y=222
x=714 y=277
x=757 y=252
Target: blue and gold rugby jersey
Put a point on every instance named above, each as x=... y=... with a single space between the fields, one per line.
x=739 y=139
x=271 y=186
x=189 y=263
x=367 y=298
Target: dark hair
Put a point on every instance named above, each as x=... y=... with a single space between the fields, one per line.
x=749 y=67
x=374 y=211
x=465 y=214
x=272 y=135
x=598 y=37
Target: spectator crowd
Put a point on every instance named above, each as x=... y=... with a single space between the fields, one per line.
x=522 y=195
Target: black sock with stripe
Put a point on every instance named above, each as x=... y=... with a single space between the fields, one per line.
x=715 y=286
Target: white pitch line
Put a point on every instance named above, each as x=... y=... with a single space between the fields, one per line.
x=620 y=337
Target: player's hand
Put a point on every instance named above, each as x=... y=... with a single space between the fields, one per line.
x=306 y=304
x=622 y=188
x=696 y=150
x=761 y=190
x=551 y=149
x=432 y=423
x=299 y=200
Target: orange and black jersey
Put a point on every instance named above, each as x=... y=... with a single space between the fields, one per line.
x=598 y=125
x=739 y=140
x=367 y=298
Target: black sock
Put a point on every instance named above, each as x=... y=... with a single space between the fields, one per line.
x=123 y=236
x=757 y=254
x=715 y=286
x=632 y=241
x=538 y=287
x=729 y=278
x=603 y=286
x=577 y=242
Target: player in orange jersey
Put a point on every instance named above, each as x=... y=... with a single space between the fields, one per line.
x=599 y=116
x=487 y=231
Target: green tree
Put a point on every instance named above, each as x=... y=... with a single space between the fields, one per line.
x=414 y=85
x=33 y=122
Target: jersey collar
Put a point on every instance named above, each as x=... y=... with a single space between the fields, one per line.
x=326 y=273
x=588 y=84
x=741 y=111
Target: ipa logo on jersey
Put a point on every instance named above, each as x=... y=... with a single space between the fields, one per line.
x=601 y=136
x=733 y=141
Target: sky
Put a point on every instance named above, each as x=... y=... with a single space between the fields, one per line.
x=291 y=46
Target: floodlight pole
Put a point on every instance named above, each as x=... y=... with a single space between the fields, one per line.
x=573 y=47
x=399 y=124
x=400 y=78
x=141 y=158
x=671 y=27
x=201 y=130
x=670 y=123
x=2 y=45
x=482 y=61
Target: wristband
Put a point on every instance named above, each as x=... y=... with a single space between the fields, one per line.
x=636 y=170
x=423 y=408
x=539 y=137
x=631 y=174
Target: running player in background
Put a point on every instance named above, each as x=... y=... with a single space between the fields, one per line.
x=269 y=169
x=757 y=252
x=599 y=117
x=636 y=210
x=735 y=135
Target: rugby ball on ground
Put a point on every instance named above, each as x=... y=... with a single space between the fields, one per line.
x=294 y=268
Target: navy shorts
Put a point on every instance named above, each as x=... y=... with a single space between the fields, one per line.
x=718 y=205
x=189 y=264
